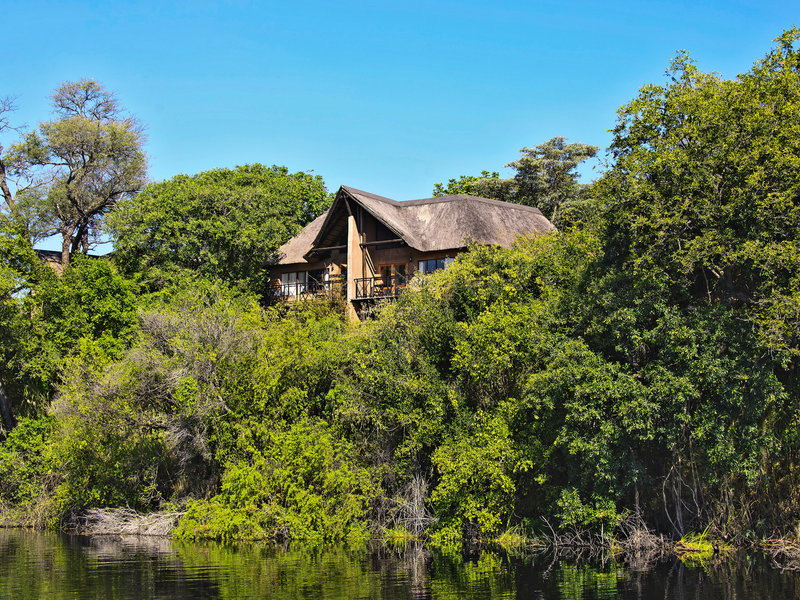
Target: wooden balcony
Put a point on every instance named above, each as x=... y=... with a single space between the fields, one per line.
x=308 y=289
x=380 y=287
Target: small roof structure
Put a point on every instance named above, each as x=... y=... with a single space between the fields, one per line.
x=427 y=225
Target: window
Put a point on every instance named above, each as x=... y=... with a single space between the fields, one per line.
x=392 y=277
x=397 y=270
x=434 y=264
x=316 y=277
x=293 y=284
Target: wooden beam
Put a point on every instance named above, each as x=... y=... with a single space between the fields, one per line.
x=394 y=241
x=325 y=248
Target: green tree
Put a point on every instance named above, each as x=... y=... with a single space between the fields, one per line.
x=225 y=223
x=20 y=270
x=67 y=174
x=487 y=185
x=546 y=176
x=701 y=279
x=703 y=192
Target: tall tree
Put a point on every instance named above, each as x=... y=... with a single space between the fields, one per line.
x=546 y=177
x=225 y=223
x=63 y=177
x=705 y=189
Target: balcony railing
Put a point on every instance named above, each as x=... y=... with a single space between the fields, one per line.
x=308 y=289
x=380 y=287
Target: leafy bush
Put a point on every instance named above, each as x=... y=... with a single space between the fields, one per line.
x=575 y=513
x=138 y=431
x=476 y=475
x=26 y=461
x=302 y=485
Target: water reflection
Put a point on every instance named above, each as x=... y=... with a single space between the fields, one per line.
x=40 y=565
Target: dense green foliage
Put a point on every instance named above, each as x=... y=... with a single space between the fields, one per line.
x=641 y=359
x=301 y=483
x=225 y=223
x=89 y=303
x=26 y=458
x=19 y=270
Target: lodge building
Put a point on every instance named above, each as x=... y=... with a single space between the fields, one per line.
x=367 y=247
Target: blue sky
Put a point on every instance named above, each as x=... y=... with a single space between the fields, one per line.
x=387 y=97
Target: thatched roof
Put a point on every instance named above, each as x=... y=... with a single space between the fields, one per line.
x=429 y=224
x=292 y=251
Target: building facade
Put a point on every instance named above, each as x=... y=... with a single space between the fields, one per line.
x=367 y=247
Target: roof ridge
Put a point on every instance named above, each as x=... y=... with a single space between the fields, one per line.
x=437 y=199
x=352 y=190
x=454 y=197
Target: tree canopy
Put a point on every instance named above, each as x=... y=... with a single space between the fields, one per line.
x=545 y=174
x=486 y=185
x=225 y=223
x=63 y=177
x=704 y=190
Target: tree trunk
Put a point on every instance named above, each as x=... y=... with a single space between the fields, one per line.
x=66 y=243
x=80 y=238
x=5 y=411
x=7 y=195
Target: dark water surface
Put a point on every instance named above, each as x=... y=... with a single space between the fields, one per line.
x=40 y=565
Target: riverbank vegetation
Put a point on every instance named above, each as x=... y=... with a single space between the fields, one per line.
x=637 y=366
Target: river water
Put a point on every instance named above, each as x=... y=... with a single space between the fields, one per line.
x=41 y=565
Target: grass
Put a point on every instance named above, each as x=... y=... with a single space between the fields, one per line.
x=696 y=549
x=513 y=539
x=398 y=536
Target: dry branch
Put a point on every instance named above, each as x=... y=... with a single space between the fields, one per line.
x=125 y=521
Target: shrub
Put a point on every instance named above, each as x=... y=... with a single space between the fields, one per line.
x=303 y=485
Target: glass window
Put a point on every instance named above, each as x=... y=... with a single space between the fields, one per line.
x=434 y=264
x=294 y=283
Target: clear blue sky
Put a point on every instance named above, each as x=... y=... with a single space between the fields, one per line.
x=387 y=97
